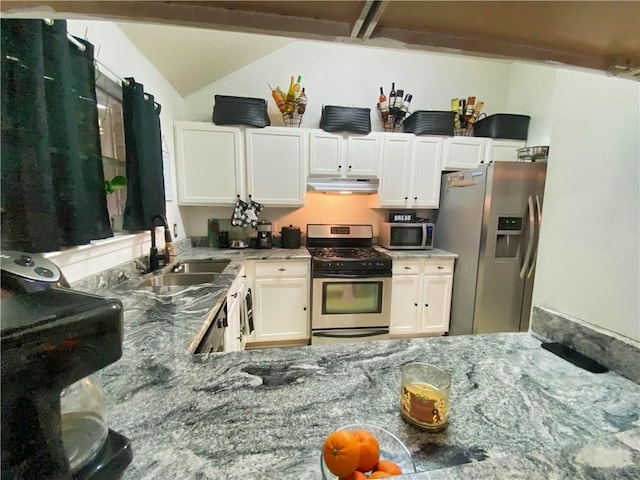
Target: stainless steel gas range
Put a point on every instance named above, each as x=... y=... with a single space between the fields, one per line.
x=350 y=284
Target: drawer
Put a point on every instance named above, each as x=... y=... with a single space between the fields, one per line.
x=282 y=269
x=438 y=267
x=406 y=267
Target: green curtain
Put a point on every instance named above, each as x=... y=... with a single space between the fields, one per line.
x=143 y=138
x=52 y=178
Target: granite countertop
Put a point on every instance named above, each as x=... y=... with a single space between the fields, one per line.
x=435 y=253
x=517 y=411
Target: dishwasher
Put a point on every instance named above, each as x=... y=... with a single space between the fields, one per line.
x=214 y=335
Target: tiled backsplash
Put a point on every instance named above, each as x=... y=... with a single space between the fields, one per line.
x=619 y=354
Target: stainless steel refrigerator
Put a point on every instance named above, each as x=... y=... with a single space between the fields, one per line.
x=490 y=216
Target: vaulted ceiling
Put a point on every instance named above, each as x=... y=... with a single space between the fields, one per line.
x=602 y=35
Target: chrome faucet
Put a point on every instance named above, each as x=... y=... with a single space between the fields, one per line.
x=154 y=257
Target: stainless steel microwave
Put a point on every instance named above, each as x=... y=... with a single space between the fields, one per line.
x=406 y=236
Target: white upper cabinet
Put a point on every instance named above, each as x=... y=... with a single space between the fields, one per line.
x=326 y=154
x=276 y=165
x=503 y=150
x=395 y=180
x=209 y=163
x=337 y=155
x=463 y=152
x=363 y=155
x=427 y=172
x=411 y=170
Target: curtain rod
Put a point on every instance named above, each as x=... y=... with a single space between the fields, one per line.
x=82 y=48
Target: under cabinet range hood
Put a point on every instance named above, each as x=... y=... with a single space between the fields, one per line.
x=342 y=185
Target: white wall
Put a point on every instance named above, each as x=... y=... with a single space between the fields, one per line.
x=338 y=74
x=531 y=90
x=121 y=57
x=589 y=257
x=341 y=74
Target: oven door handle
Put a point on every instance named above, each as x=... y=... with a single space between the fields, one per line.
x=351 y=275
x=360 y=334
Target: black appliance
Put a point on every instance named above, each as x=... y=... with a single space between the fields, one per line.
x=351 y=284
x=52 y=337
x=291 y=237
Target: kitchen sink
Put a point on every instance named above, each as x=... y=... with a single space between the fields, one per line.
x=179 y=279
x=195 y=266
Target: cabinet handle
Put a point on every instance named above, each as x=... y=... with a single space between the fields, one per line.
x=244 y=276
x=234 y=295
x=407 y=268
x=282 y=269
x=406 y=198
x=426 y=304
x=415 y=304
x=304 y=308
x=339 y=167
x=415 y=198
x=440 y=267
x=349 y=167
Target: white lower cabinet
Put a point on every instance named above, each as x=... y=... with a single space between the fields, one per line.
x=421 y=296
x=280 y=301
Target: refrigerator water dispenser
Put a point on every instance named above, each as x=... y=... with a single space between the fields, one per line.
x=508 y=237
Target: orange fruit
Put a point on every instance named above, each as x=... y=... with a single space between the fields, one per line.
x=379 y=474
x=355 y=476
x=369 y=450
x=389 y=467
x=341 y=453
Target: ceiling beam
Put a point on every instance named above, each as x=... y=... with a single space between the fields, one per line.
x=495 y=48
x=185 y=14
x=357 y=25
x=374 y=17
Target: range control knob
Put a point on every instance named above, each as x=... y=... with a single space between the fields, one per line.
x=25 y=261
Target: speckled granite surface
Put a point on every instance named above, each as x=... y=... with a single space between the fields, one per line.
x=407 y=254
x=618 y=353
x=517 y=411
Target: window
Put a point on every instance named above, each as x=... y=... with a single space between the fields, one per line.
x=110 y=122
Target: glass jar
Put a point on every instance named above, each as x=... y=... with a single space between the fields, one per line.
x=424 y=396
x=84 y=428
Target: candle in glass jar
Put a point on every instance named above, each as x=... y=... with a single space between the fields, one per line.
x=424 y=397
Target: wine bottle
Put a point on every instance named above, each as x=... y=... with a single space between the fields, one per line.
x=301 y=102
x=382 y=106
x=278 y=97
x=406 y=102
x=392 y=95
x=398 y=101
x=291 y=96
x=297 y=86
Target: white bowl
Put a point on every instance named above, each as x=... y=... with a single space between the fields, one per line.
x=391 y=448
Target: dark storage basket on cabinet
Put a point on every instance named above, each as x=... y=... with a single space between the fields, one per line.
x=336 y=118
x=430 y=122
x=503 y=125
x=229 y=110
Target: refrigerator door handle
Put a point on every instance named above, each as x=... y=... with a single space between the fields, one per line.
x=538 y=222
x=527 y=257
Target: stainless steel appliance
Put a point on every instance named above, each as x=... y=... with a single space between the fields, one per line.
x=406 y=236
x=351 y=284
x=265 y=236
x=490 y=216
